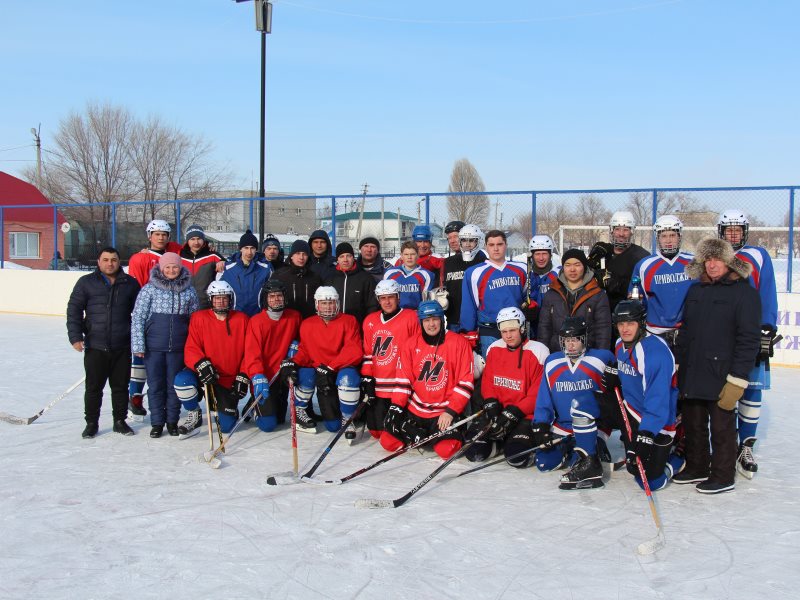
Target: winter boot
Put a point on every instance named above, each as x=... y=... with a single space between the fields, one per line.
x=136 y=406
x=156 y=431
x=689 y=476
x=746 y=464
x=191 y=425
x=89 y=431
x=305 y=424
x=586 y=473
x=122 y=427
x=172 y=429
x=714 y=487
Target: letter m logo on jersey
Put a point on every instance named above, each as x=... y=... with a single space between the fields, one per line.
x=430 y=371
x=381 y=346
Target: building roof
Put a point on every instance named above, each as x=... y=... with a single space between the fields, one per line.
x=369 y=215
x=14 y=191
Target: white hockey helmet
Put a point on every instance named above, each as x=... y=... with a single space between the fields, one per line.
x=158 y=225
x=511 y=313
x=668 y=223
x=541 y=242
x=221 y=288
x=326 y=292
x=387 y=287
x=474 y=235
x=622 y=218
x=733 y=216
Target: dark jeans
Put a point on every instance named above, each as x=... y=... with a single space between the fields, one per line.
x=113 y=367
x=721 y=452
x=162 y=400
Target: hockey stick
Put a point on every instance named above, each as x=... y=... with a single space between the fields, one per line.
x=208 y=418
x=513 y=456
x=210 y=388
x=212 y=456
x=658 y=542
x=293 y=420
x=23 y=421
x=284 y=478
x=372 y=503
x=395 y=454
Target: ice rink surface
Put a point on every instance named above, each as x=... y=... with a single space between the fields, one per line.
x=131 y=517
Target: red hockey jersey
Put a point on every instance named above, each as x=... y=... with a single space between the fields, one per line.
x=336 y=343
x=141 y=263
x=513 y=376
x=268 y=341
x=432 y=379
x=382 y=343
x=222 y=342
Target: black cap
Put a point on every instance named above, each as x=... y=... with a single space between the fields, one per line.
x=575 y=253
x=344 y=248
x=248 y=239
x=369 y=240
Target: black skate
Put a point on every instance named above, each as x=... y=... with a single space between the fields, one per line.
x=136 y=408
x=746 y=465
x=191 y=426
x=349 y=432
x=305 y=424
x=585 y=474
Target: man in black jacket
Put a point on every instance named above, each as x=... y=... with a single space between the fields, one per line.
x=370 y=260
x=301 y=282
x=356 y=287
x=321 y=259
x=99 y=325
x=715 y=352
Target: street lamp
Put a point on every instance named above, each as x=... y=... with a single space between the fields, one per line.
x=264 y=25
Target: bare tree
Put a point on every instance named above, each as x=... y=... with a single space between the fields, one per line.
x=472 y=208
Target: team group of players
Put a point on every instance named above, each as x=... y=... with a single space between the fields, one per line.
x=456 y=336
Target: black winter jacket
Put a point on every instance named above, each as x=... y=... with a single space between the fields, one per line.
x=720 y=334
x=301 y=283
x=356 y=292
x=99 y=313
x=620 y=270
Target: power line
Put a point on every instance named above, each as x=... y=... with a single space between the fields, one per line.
x=16 y=147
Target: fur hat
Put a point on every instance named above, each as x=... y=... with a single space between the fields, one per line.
x=715 y=248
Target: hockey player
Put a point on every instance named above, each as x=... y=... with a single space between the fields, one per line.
x=200 y=261
x=646 y=371
x=489 y=287
x=663 y=280
x=451 y=231
x=734 y=227
x=613 y=262
x=567 y=405
x=510 y=381
x=433 y=386
x=270 y=335
x=213 y=356
x=385 y=333
x=139 y=267
x=414 y=281
x=422 y=236
x=470 y=238
x=328 y=356
x=542 y=273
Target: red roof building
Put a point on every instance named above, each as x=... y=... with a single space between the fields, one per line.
x=28 y=233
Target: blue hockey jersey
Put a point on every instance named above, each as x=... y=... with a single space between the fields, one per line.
x=413 y=284
x=665 y=284
x=763 y=279
x=539 y=284
x=487 y=288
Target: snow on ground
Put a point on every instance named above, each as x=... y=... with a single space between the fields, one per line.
x=131 y=517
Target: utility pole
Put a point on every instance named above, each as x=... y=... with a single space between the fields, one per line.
x=38 y=140
x=361 y=215
x=496 y=207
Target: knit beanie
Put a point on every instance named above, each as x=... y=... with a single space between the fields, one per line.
x=344 y=248
x=370 y=240
x=169 y=258
x=195 y=231
x=575 y=253
x=248 y=239
x=300 y=246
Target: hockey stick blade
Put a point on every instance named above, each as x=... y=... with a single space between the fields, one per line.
x=287 y=478
x=192 y=433
x=210 y=458
x=14 y=420
x=374 y=503
x=652 y=546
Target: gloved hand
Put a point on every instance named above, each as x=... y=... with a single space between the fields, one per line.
x=326 y=379
x=412 y=432
x=441 y=296
x=531 y=312
x=541 y=435
x=260 y=387
x=598 y=251
x=368 y=388
x=643 y=445
x=731 y=392
x=288 y=372
x=206 y=372
x=394 y=420
x=610 y=380
x=492 y=409
x=241 y=385
x=766 y=350
x=505 y=422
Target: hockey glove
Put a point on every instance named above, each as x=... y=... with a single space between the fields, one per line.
x=598 y=251
x=206 y=372
x=411 y=431
x=326 y=379
x=610 y=380
x=492 y=408
x=368 y=388
x=766 y=349
x=505 y=423
x=288 y=372
x=531 y=312
x=731 y=392
x=441 y=295
x=643 y=445
x=241 y=385
x=260 y=387
x=394 y=420
x=541 y=435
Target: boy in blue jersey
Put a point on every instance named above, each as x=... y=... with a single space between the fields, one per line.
x=663 y=280
x=567 y=405
x=646 y=374
x=489 y=287
x=542 y=274
x=733 y=227
x=414 y=281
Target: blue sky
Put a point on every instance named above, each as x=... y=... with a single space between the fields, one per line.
x=537 y=94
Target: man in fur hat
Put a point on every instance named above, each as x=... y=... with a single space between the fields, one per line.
x=715 y=351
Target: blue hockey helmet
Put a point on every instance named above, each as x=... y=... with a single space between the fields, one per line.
x=422 y=233
x=430 y=308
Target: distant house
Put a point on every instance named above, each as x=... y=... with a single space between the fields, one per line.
x=29 y=234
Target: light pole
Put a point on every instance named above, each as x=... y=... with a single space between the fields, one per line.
x=38 y=141
x=264 y=25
